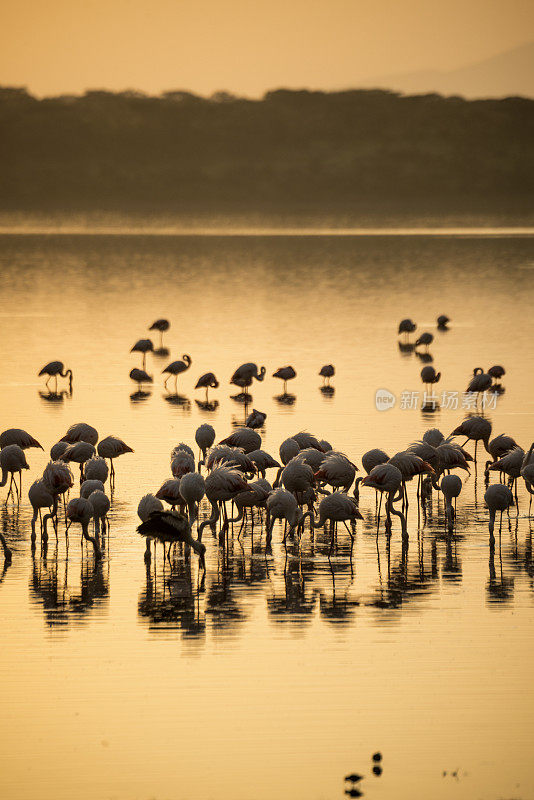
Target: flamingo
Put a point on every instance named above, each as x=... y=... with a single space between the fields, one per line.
x=81 y=511
x=255 y=419
x=451 y=486
x=101 y=506
x=222 y=484
x=452 y=456
x=499 y=447
x=511 y=464
x=433 y=436
x=430 y=376
x=112 y=447
x=192 y=489
x=497 y=372
x=312 y=457
x=409 y=465
x=172 y=528
x=443 y=320
x=20 y=437
x=79 y=452
x=57 y=450
x=81 y=432
x=182 y=447
x=425 y=340
x=263 y=461
x=254 y=497
x=406 y=326
x=288 y=450
x=326 y=446
x=480 y=382
x=282 y=504
x=334 y=508
x=96 y=469
x=326 y=372
x=232 y=456
x=387 y=478
x=147 y=504
x=305 y=439
x=40 y=497
x=58 y=479
x=176 y=368
x=55 y=368
x=207 y=381
x=497 y=498
x=169 y=491
x=245 y=438
x=160 y=325
x=90 y=486
x=297 y=476
x=182 y=463
x=143 y=346
x=285 y=374
x=204 y=437
x=475 y=428
x=140 y=376
x=244 y=375
x=337 y=471
x=12 y=460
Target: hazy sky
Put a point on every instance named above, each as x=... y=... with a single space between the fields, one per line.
x=245 y=46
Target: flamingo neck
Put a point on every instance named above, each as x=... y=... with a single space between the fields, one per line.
x=4 y=477
x=87 y=537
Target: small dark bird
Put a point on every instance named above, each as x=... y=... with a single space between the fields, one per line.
x=207 y=381
x=496 y=372
x=425 y=339
x=429 y=375
x=407 y=326
x=443 y=321
x=354 y=777
x=285 y=374
x=160 y=325
x=143 y=346
x=353 y=792
x=327 y=372
x=377 y=756
x=377 y=770
x=175 y=368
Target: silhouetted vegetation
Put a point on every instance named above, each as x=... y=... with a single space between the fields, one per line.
x=300 y=148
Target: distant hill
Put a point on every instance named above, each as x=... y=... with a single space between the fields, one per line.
x=507 y=74
x=290 y=149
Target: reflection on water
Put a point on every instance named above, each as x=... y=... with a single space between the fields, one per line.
x=315 y=658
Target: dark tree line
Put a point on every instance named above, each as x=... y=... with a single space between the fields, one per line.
x=300 y=148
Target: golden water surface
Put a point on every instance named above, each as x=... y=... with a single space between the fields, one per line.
x=273 y=676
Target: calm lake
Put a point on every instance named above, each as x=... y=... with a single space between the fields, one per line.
x=277 y=674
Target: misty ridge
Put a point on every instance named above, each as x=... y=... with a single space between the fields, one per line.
x=299 y=149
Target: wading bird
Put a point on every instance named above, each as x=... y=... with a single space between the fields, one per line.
x=255 y=419
x=140 y=376
x=171 y=528
x=176 y=368
x=337 y=471
x=55 y=368
x=263 y=461
x=282 y=504
x=443 y=320
x=101 y=506
x=160 y=325
x=387 y=478
x=20 y=437
x=192 y=489
x=40 y=497
x=497 y=372
x=451 y=486
x=96 y=469
x=245 y=438
x=207 y=381
x=511 y=464
x=79 y=452
x=222 y=484
x=429 y=376
x=81 y=432
x=425 y=340
x=334 y=508
x=285 y=374
x=204 y=437
x=406 y=326
x=112 y=447
x=12 y=460
x=480 y=382
x=475 y=428
x=143 y=346
x=90 y=486
x=497 y=498
x=326 y=372
x=245 y=374
x=147 y=504
x=81 y=511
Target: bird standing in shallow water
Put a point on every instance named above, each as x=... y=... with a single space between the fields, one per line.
x=285 y=374
x=143 y=346
x=497 y=498
x=140 y=376
x=81 y=510
x=326 y=372
x=112 y=447
x=207 y=381
x=406 y=326
x=12 y=460
x=451 y=486
x=176 y=368
x=425 y=340
x=55 y=368
x=160 y=325
x=244 y=375
x=172 y=528
x=20 y=437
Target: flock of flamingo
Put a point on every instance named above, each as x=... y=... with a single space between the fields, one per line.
x=313 y=483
